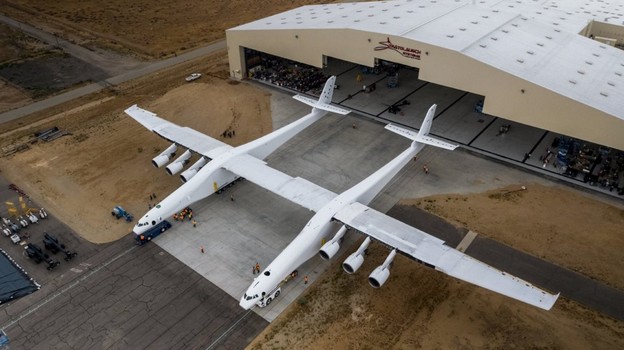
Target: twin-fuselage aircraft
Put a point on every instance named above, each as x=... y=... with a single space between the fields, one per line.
x=221 y=164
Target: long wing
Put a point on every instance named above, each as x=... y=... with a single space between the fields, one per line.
x=187 y=137
x=295 y=189
x=432 y=251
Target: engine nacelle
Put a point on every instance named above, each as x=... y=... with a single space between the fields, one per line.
x=179 y=163
x=329 y=249
x=380 y=274
x=194 y=169
x=355 y=260
x=353 y=263
x=165 y=156
x=378 y=277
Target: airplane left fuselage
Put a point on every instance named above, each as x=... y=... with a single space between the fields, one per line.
x=213 y=176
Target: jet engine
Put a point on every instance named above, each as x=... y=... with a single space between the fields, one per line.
x=380 y=274
x=329 y=249
x=355 y=260
x=166 y=156
x=179 y=163
x=190 y=172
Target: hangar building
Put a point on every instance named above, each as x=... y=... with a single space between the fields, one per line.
x=550 y=64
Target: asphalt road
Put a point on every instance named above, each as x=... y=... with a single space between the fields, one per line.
x=120 y=67
x=572 y=285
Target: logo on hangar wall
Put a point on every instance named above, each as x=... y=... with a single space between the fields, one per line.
x=404 y=51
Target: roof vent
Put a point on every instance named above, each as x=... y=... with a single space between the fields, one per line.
x=530 y=52
x=410 y=11
x=483 y=45
x=462 y=29
x=495 y=11
x=603 y=47
x=520 y=60
x=514 y=24
x=505 y=31
x=330 y=21
x=589 y=62
x=493 y=38
x=572 y=81
x=611 y=83
x=595 y=54
x=484 y=17
x=580 y=72
x=557 y=29
x=371 y=15
x=396 y=17
x=540 y=44
x=619 y=74
x=538 y=12
x=548 y=37
x=604 y=94
x=450 y=35
x=474 y=22
x=382 y=22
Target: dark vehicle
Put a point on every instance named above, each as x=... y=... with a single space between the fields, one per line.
x=34 y=252
x=152 y=233
x=52 y=244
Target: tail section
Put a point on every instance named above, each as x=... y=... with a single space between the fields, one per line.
x=426 y=125
x=423 y=134
x=324 y=101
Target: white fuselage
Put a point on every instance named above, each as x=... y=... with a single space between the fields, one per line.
x=213 y=177
x=321 y=228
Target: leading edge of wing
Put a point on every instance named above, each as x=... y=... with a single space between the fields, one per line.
x=432 y=251
x=185 y=136
x=297 y=190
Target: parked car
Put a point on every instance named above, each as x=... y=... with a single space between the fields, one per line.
x=193 y=76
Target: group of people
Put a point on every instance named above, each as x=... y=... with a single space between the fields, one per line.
x=185 y=213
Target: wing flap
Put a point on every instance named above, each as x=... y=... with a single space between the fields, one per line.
x=431 y=250
x=295 y=189
x=184 y=136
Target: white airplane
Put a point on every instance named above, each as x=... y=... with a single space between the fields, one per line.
x=206 y=177
x=337 y=213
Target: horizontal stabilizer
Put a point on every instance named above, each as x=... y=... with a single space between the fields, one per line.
x=421 y=139
x=324 y=106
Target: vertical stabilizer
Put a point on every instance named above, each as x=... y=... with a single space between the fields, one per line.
x=328 y=91
x=426 y=125
x=324 y=101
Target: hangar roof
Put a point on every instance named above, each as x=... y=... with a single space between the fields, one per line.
x=536 y=40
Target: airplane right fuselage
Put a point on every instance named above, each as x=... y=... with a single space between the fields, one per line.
x=321 y=228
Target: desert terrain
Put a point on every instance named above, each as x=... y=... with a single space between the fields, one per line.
x=105 y=161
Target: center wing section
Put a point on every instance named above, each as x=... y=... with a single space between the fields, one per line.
x=187 y=137
x=432 y=251
x=295 y=189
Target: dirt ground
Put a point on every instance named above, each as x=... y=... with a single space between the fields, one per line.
x=420 y=308
x=141 y=26
x=105 y=161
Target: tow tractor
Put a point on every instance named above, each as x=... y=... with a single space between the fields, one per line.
x=152 y=233
x=269 y=298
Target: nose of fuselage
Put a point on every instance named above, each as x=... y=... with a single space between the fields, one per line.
x=247 y=304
